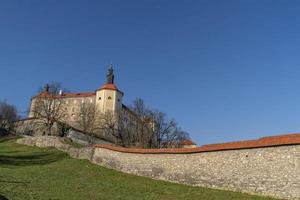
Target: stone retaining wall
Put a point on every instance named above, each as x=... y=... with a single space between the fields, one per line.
x=273 y=171
x=268 y=166
x=81 y=138
x=51 y=141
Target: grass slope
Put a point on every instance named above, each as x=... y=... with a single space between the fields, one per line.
x=46 y=173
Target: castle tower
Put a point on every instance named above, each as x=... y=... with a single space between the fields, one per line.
x=109 y=97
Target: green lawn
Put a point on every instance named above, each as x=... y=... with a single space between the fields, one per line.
x=46 y=173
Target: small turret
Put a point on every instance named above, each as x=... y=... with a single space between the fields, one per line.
x=108 y=96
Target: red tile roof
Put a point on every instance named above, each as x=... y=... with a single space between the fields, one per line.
x=109 y=86
x=81 y=94
x=187 y=142
x=106 y=86
x=67 y=95
x=281 y=140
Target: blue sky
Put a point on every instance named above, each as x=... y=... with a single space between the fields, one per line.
x=225 y=70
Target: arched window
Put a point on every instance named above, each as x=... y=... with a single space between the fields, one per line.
x=109 y=97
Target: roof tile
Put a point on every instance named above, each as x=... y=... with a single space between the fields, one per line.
x=280 y=140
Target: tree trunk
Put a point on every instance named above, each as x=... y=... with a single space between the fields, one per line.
x=49 y=129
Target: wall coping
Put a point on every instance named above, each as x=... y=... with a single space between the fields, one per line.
x=272 y=141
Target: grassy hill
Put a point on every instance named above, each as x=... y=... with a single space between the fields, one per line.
x=37 y=173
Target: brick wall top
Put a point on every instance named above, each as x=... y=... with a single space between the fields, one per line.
x=290 y=139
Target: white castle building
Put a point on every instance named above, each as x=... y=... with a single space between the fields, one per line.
x=107 y=98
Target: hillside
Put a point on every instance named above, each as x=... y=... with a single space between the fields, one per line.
x=35 y=173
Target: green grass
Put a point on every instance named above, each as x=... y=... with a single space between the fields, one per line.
x=46 y=173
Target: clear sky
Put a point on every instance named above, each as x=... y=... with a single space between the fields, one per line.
x=225 y=70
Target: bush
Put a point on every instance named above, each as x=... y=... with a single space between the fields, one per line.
x=3 y=132
x=8 y=115
x=62 y=129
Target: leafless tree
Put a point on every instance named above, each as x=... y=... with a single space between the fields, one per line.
x=8 y=114
x=143 y=124
x=165 y=133
x=147 y=128
x=128 y=131
x=48 y=106
x=108 y=124
x=154 y=129
x=87 y=115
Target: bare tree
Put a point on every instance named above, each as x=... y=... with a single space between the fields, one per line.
x=143 y=123
x=165 y=133
x=8 y=115
x=147 y=128
x=48 y=106
x=154 y=129
x=86 y=119
x=109 y=125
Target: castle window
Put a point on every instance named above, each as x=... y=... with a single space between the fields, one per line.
x=109 y=97
x=118 y=100
x=99 y=98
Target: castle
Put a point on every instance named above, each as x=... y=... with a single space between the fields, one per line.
x=112 y=118
x=108 y=98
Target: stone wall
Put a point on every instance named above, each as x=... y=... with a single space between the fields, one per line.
x=273 y=171
x=29 y=126
x=52 y=141
x=268 y=166
x=36 y=127
x=82 y=138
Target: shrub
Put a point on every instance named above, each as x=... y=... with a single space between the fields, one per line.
x=62 y=129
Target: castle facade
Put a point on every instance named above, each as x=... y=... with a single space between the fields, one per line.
x=108 y=98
